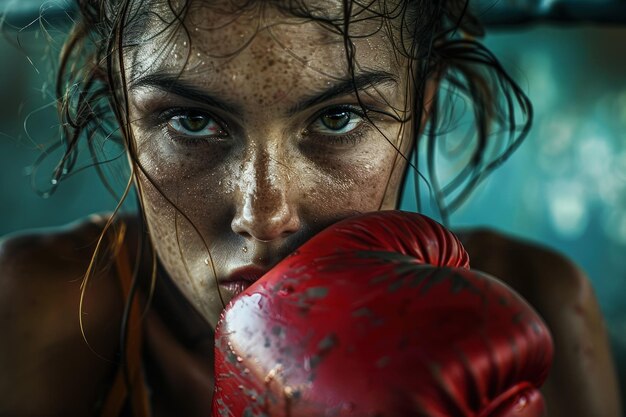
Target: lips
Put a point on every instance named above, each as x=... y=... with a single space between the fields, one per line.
x=241 y=278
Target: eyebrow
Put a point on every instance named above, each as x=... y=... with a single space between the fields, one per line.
x=344 y=87
x=182 y=88
x=174 y=84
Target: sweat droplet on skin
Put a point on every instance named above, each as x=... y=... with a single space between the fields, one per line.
x=273 y=373
x=289 y=392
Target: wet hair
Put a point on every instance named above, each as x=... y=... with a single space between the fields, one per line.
x=439 y=37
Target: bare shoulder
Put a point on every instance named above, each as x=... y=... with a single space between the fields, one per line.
x=33 y=249
x=48 y=368
x=582 y=381
x=534 y=270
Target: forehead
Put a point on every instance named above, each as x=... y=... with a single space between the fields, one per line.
x=233 y=43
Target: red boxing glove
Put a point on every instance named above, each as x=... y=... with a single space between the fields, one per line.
x=379 y=315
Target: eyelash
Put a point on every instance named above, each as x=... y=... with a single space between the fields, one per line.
x=353 y=137
x=166 y=117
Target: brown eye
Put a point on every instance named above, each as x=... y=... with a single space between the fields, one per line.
x=336 y=121
x=195 y=124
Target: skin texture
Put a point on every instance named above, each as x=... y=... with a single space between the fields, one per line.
x=272 y=175
x=268 y=182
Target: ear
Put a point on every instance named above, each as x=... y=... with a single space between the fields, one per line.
x=407 y=142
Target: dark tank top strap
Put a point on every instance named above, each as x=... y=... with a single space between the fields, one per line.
x=131 y=395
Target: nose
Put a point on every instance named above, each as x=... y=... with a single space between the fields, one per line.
x=266 y=205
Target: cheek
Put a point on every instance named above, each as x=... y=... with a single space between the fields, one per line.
x=184 y=253
x=349 y=184
x=172 y=217
x=185 y=200
x=191 y=181
x=185 y=224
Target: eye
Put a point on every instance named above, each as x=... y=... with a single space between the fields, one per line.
x=194 y=124
x=336 y=122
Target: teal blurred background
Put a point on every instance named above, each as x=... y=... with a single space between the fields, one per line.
x=565 y=187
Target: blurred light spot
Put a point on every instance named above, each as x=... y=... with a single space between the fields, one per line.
x=556 y=135
x=595 y=157
x=554 y=146
x=567 y=207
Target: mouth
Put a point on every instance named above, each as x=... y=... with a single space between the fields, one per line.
x=241 y=278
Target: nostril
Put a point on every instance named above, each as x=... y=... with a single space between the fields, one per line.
x=244 y=234
x=266 y=228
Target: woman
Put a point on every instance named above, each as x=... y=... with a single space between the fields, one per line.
x=249 y=126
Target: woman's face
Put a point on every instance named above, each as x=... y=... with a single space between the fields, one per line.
x=252 y=139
